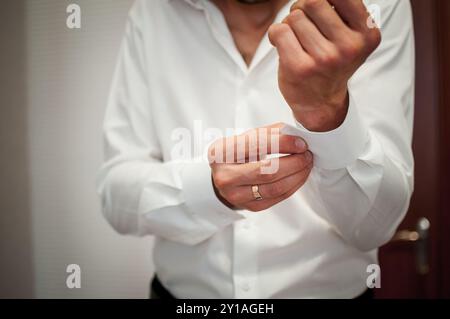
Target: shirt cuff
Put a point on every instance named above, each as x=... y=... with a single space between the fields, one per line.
x=338 y=148
x=200 y=197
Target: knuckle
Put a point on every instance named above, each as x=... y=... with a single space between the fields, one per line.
x=304 y=69
x=295 y=16
x=352 y=48
x=304 y=160
x=233 y=196
x=222 y=179
x=287 y=142
x=274 y=189
x=273 y=32
x=297 y=5
x=312 y=4
x=276 y=31
x=330 y=58
x=373 y=38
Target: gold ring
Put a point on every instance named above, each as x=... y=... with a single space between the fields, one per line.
x=256 y=194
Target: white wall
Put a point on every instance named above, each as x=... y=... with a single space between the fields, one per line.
x=69 y=73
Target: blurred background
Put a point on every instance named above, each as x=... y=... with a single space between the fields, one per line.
x=54 y=84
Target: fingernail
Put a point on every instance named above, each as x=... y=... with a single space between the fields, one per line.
x=300 y=144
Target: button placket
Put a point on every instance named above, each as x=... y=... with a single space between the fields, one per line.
x=245 y=261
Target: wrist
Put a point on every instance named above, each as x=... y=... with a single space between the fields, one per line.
x=324 y=118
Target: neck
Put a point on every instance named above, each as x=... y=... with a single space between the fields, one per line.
x=245 y=16
x=248 y=23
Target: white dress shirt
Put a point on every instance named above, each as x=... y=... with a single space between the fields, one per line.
x=179 y=73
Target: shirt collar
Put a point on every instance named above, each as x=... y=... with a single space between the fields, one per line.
x=199 y=5
x=195 y=3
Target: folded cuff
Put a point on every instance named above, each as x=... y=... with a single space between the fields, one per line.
x=337 y=148
x=200 y=197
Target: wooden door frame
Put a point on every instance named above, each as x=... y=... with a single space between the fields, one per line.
x=443 y=42
x=432 y=153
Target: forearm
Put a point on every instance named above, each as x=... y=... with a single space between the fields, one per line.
x=172 y=200
x=363 y=177
x=364 y=202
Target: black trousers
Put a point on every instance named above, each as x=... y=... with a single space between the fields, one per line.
x=157 y=291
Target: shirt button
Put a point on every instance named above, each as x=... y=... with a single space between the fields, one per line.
x=245 y=287
x=246 y=226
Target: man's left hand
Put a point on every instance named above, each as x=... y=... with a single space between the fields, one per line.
x=321 y=44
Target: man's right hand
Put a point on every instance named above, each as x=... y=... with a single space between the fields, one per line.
x=233 y=179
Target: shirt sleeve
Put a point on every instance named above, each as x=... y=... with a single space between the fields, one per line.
x=142 y=194
x=363 y=176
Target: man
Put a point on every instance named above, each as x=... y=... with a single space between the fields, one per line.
x=315 y=79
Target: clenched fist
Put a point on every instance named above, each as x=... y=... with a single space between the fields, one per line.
x=239 y=164
x=321 y=44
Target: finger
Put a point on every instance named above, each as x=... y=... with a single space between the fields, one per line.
x=244 y=194
x=307 y=33
x=289 y=48
x=254 y=145
x=264 y=204
x=353 y=12
x=229 y=176
x=324 y=17
x=269 y=171
x=282 y=186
